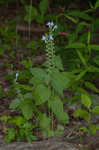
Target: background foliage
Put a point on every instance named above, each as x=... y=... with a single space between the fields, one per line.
x=40 y=101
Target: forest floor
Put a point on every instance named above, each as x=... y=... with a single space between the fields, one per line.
x=71 y=134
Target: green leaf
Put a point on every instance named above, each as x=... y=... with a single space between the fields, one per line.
x=44 y=123
x=89 y=37
x=81 y=58
x=59 y=130
x=31 y=13
x=94 y=47
x=97 y=4
x=11 y=133
x=42 y=94
x=40 y=74
x=79 y=76
x=86 y=101
x=71 y=19
x=17 y=120
x=35 y=81
x=33 y=44
x=58 y=62
x=56 y=106
x=97 y=127
x=80 y=14
x=76 y=45
x=59 y=81
x=82 y=113
x=80 y=26
x=5 y=118
x=28 y=96
x=95 y=110
x=91 y=86
x=63 y=117
x=43 y=6
x=84 y=129
x=25 y=87
x=27 y=109
x=92 y=68
x=30 y=137
x=96 y=60
x=92 y=129
x=1 y=92
x=15 y=103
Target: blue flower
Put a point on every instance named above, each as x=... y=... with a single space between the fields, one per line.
x=43 y=38
x=51 y=37
x=17 y=75
x=50 y=24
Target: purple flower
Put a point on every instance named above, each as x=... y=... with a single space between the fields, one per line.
x=17 y=75
x=50 y=24
x=43 y=38
x=51 y=37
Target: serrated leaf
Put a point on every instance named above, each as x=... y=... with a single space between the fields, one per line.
x=42 y=94
x=11 y=133
x=63 y=118
x=35 y=81
x=43 y=6
x=40 y=74
x=58 y=62
x=82 y=113
x=95 y=110
x=44 y=123
x=56 y=106
x=86 y=101
x=76 y=45
x=58 y=81
x=15 y=103
x=18 y=120
x=27 y=109
x=91 y=86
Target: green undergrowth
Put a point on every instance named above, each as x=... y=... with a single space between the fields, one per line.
x=72 y=64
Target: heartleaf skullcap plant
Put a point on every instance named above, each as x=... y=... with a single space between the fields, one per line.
x=49 y=41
